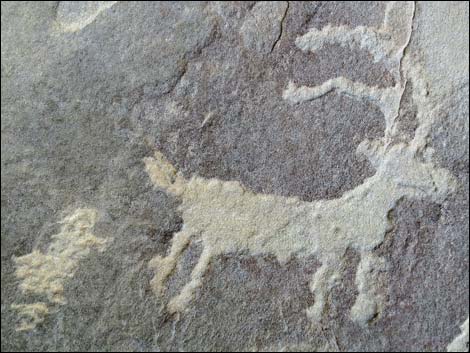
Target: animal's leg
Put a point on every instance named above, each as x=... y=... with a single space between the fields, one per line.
x=321 y=284
x=180 y=302
x=164 y=266
x=368 y=301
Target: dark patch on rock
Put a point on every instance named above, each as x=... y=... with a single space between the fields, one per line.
x=426 y=295
x=334 y=60
x=249 y=302
x=226 y=118
x=290 y=152
x=428 y=269
x=348 y=13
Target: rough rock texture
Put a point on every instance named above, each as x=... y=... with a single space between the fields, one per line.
x=220 y=176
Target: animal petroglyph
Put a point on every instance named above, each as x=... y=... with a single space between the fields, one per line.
x=226 y=218
x=385 y=43
x=44 y=273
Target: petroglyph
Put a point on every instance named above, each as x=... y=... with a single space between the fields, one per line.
x=271 y=161
x=44 y=273
x=385 y=43
x=32 y=315
x=73 y=16
x=387 y=99
x=227 y=218
x=460 y=343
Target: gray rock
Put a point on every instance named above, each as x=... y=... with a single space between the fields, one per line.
x=92 y=90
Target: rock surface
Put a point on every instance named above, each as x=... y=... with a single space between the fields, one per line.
x=231 y=176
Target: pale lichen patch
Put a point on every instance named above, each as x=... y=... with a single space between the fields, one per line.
x=45 y=273
x=460 y=343
x=31 y=314
x=72 y=16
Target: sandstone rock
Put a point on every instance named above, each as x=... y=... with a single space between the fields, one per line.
x=232 y=176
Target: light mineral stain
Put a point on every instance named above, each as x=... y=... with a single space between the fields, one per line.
x=73 y=16
x=460 y=343
x=45 y=273
x=32 y=315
